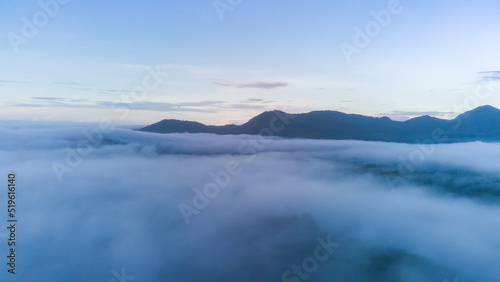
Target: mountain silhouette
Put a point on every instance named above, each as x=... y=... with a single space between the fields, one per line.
x=479 y=124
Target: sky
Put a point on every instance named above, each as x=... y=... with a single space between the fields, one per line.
x=225 y=61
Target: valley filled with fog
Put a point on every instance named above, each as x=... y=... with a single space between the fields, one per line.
x=204 y=207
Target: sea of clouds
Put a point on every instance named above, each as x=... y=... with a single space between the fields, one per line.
x=135 y=206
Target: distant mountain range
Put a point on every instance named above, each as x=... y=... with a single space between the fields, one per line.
x=480 y=124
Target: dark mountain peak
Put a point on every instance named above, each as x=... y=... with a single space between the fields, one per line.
x=277 y=111
x=264 y=116
x=482 y=111
x=175 y=125
x=480 y=115
x=425 y=118
x=480 y=124
x=486 y=108
x=332 y=113
x=180 y=122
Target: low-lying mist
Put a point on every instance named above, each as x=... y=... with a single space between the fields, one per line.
x=198 y=207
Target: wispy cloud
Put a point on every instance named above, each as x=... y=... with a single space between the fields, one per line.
x=253 y=100
x=113 y=90
x=417 y=113
x=245 y=106
x=200 y=106
x=490 y=75
x=490 y=72
x=84 y=87
x=103 y=91
x=48 y=98
x=68 y=83
x=15 y=81
x=252 y=84
x=256 y=101
x=405 y=115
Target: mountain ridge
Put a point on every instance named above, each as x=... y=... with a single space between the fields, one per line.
x=479 y=124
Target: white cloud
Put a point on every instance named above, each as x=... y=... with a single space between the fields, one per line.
x=119 y=208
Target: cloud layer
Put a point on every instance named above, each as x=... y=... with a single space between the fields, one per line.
x=252 y=84
x=490 y=75
x=201 y=106
x=119 y=207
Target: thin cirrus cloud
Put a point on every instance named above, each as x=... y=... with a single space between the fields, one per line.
x=49 y=98
x=490 y=75
x=252 y=84
x=201 y=106
x=252 y=100
x=84 y=87
x=409 y=114
x=68 y=83
x=256 y=101
x=113 y=90
x=15 y=81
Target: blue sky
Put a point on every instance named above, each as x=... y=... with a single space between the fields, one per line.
x=225 y=66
